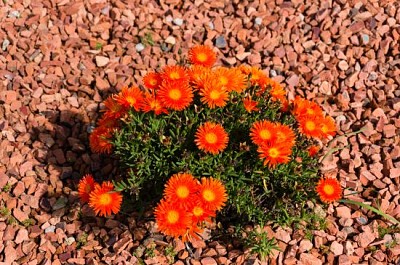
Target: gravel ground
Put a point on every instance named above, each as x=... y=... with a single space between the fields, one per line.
x=59 y=59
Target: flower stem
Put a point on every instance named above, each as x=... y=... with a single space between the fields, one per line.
x=375 y=210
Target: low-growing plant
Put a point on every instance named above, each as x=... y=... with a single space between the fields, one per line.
x=259 y=243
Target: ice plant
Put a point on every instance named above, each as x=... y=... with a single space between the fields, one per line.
x=181 y=188
x=211 y=137
x=212 y=194
x=329 y=189
x=202 y=55
x=175 y=95
x=172 y=220
x=105 y=200
x=85 y=187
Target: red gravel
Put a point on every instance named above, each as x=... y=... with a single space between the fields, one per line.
x=59 y=59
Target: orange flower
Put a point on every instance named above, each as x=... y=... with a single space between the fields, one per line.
x=181 y=189
x=85 y=187
x=100 y=140
x=329 y=189
x=305 y=108
x=313 y=150
x=310 y=127
x=213 y=94
x=249 y=104
x=104 y=200
x=285 y=134
x=130 y=98
x=262 y=132
x=152 y=80
x=213 y=194
x=200 y=213
x=175 y=73
x=175 y=95
x=277 y=92
x=211 y=137
x=108 y=122
x=152 y=102
x=231 y=79
x=328 y=127
x=113 y=109
x=198 y=75
x=257 y=77
x=202 y=55
x=172 y=220
x=274 y=153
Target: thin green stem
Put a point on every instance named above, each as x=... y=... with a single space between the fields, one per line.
x=373 y=209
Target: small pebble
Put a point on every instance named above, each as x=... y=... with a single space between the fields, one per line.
x=170 y=40
x=211 y=25
x=139 y=47
x=14 y=14
x=365 y=39
x=272 y=73
x=49 y=229
x=220 y=42
x=362 y=220
x=168 y=19
x=178 y=21
x=372 y=76
x=5 y=44
x=258 y=21
x=69 y=240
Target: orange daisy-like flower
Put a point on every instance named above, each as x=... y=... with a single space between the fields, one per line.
x=213 y=94
x=257 y=77
x=277 y=92
x=152 y=102
x=329 y=189
x=305 y=108
x=211 y=137
x=328 y=127
x=113 y=109
x=172 y=220
x=274 y=154
x=310 y=127
x=104 y=200
x=285 y=134
x=202 y=55
x=213 y=194
x=100 y=140
x=175 y=95
x=152 y=80
x=198 y=75
x=262 y=132
x=181 y=189
x=313 y=150
x=175 y=73
x=108 y=122
x=249 y=104
x=85 y=187
x=200 y=213
x=231 y=79
x=130 y=98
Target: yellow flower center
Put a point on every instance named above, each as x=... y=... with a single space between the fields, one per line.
x=202 y=57
x=105 y=199
x=328 y=189
x=223 y=80
x=324 y=128
x=175 y=94
x=208 y=195
x=153 y=82
x=215 y=94
x=174 y=75
x=310 y=125
x=265 y=134
x=211 y=138
x=131 y=100
x=198 y=211
x=182 y=192
x=273 y=152
x=172 y=217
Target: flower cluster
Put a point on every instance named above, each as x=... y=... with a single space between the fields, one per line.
x=187 y=203
x=103 y=199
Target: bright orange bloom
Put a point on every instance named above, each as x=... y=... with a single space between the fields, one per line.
x=108 y=122
x=277 y=92
x=100 y=140
x=313 y=150
x=211 y=138
x=198 y=76
x=172 y=220
x=329 y=189
x=152 y=102
x=113 y=109
x=175 y=95
x=175 y=73
x=213 y=94
x=257 y=77
x=130 y=97
x=328 y=127
x=274 y=154
x=285 y=134
x=85 y=187
x=152 y=80
x=231 y=79
x=213 y=194
x=200 y=213
x=181 y=189
x=249 y=104
x=262 y=132
x=104 y=200
x=305 y=108
x=310 y=127
x=202 y=55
